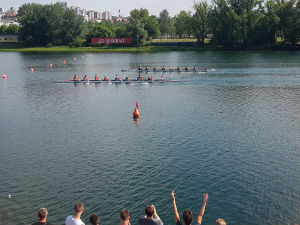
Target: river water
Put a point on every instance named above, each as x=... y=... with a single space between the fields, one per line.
x=232 y=132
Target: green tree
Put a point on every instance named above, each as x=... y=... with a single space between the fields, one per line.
x=165 y=22
x=183 y=23
x=200 y=21
x=48 y=24
x=224 y=23
x=140 y=18
x=137 y=32
x=12 y=29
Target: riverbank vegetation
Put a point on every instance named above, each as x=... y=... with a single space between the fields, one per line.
x=222 y=24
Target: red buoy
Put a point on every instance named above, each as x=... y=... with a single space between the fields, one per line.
x=136 y=113
x=64 y=61
x=4 y=76
x=31 y=69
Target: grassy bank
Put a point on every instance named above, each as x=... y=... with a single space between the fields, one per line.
x=99 y=49
x=157 y=48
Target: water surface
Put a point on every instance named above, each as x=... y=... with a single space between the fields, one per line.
x=232 y=132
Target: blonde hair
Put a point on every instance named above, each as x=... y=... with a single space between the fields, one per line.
x=220 y=222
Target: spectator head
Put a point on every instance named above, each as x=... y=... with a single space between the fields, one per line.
x=79 y=208
x=149 y=211
x=221 y=222
x=42 y=213
x=94 y=219
x=124 y=215
x=187 y=216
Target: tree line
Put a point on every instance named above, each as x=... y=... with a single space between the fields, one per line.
x=224 y=22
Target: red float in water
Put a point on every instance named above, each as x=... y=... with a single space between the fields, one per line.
x=31 y=69
x=4 y=76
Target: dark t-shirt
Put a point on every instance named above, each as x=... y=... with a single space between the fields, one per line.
x=144 y=221
x=179 y=223
x=40 y=223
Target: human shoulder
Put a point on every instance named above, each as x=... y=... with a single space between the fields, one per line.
x=157 y=222
x=40 y=223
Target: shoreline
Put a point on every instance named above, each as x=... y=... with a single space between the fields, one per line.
x=146 y=49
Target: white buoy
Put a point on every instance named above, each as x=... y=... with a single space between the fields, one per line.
x=9 y=196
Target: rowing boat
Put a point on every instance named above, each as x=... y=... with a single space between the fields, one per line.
x=171 y=70
x=114 y=81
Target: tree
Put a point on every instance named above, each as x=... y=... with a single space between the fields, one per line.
x=137 y=32
x=48 y=24
x=224 y=23
x=141 y=18
x=200 y=21
x=183 y=23
x=12 y=29
x=165 y=22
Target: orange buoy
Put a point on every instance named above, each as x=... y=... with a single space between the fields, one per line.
x=136 y=113
x=4 y=76
x=31 y=69
x=50 y=65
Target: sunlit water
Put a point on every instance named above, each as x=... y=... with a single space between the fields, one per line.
x=232 y=132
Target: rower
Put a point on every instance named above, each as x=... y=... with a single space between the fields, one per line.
x=187 y=68
x=97 y=78
x=205 y=69
x=195 y=68
x=155 y=68
x=164 y=68
x=147 y=68
x=75 y=78
x=127 y=78
x=140 y=77
x=178 y=68
x=162 y=78
x=140 y=68
x=85 y=78
x=150 y=78
x=117 y=78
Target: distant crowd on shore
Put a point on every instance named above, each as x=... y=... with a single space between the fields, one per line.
x=151 y=217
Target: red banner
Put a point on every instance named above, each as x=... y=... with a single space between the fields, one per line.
x=108 y=41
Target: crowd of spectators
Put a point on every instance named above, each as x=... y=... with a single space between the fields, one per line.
x=151 y=217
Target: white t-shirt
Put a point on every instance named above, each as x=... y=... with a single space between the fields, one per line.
x=71 y=221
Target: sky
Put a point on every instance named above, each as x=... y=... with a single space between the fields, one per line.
x=154 y=6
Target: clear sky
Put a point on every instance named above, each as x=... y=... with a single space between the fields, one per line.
x=154 y=6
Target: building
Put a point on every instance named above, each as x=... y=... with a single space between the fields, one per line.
x=8 y=38
x=98 y=15
x=63 y=4
x=91 y=14
x=106 y=15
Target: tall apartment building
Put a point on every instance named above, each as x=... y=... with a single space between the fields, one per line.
x=106 y=15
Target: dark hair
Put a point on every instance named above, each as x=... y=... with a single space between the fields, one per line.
x=94 y=219
x=149 y=211
x=42 y=213
x=187 y=216
x=124 y=215
x=78 y=207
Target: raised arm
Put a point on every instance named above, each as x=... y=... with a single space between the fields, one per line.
x=155 y=215
x=177 y=218
x=200 y=216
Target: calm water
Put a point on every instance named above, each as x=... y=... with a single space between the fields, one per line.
x=232 y=132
